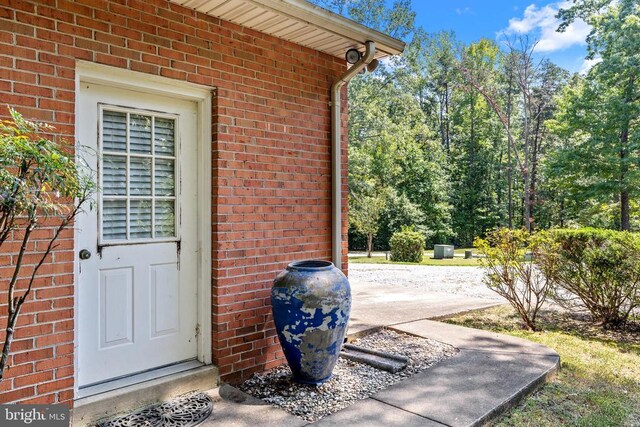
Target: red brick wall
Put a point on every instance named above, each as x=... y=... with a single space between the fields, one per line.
x=270 y=157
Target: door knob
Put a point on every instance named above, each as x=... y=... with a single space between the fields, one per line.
x=84 y=254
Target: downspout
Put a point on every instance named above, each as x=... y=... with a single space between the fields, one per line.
x=336 y=161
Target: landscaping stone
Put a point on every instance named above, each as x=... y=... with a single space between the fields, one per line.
x=351 y=381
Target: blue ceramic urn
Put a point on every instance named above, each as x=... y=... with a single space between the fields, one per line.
x=311 y=302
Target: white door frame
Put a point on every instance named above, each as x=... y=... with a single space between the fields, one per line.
x=89 y=72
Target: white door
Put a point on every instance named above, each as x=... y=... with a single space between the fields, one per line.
x=137 y=297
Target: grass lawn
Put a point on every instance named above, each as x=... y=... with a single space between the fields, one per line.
x=456 y=261
x=599 y=381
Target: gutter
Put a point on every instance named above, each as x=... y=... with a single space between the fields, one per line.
x=336 y=163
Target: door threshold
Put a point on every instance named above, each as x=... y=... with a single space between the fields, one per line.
x=151 y=387
x=141 y=377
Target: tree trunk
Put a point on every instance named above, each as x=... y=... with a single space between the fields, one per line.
x=369 y=244
x=443 y=140
x=509 y=165
x=527 y=201
x=446 y=112
x=472 y=132
x=509 y=187
x=526 y=174
x=535 y=151
x=625 y=224
x=6 y=347
x=471 y=162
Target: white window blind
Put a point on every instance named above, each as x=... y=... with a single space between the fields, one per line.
x=137 y=176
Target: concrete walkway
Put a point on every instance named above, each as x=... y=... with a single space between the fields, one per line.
x=490 y=373
x=375 y=305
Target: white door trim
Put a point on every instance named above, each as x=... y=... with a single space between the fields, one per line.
x=89 y=72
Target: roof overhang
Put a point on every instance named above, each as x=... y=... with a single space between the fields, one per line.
x=299 y=22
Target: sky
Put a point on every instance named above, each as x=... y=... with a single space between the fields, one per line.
x=474 y=19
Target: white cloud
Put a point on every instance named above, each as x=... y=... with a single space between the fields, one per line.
x=587 y=64
x=542 y=22
x=463 y=11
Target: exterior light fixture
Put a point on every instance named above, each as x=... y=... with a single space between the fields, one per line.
x=372 y=66
x=352 y=56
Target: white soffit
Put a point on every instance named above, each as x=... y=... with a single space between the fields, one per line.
x=299 y=22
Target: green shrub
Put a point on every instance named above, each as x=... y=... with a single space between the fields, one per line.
x=510 y=274
x=407 y=245
x=598 y=270
x=41 y=189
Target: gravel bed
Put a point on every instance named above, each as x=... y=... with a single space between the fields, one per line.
x=351 y=381
x=464 y=281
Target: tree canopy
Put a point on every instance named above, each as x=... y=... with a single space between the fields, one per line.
x=458 y=139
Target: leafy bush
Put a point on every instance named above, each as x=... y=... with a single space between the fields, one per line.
x=598 y=270
x=513 y=276
x=400 y=212
x=40 y=186
x=407 y=245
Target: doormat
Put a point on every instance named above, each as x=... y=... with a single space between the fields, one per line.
x=186 y=411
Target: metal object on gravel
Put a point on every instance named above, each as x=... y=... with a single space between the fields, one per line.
x=185 y=411
x=378 y=359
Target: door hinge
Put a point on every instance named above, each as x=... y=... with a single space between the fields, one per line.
x=178 y=248
x=197 y=329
